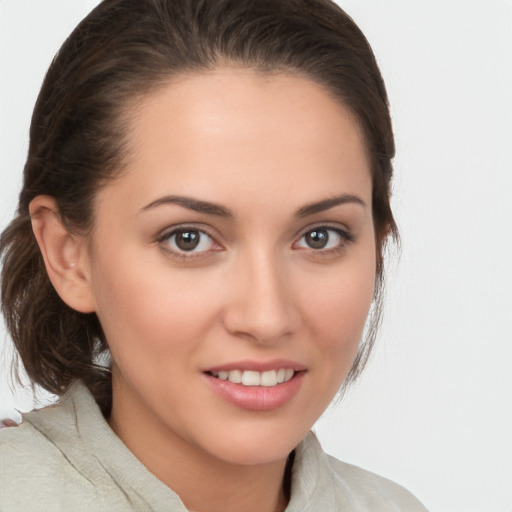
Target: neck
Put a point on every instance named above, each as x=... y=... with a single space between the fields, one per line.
x=204 y=482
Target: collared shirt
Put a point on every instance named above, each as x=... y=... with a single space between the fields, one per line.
x=67 y=458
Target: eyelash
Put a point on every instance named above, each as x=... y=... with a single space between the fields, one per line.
x=345 y=236
x=180 y=254
x=163 y=240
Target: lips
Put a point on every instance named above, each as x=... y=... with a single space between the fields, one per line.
x=268 y=378
x=256 y=386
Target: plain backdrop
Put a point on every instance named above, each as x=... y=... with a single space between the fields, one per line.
x=434 y=409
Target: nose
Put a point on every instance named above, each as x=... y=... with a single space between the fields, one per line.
x=261 y=305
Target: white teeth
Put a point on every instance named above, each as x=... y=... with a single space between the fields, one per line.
x=269 y=379
x=251 y=378
x=235 y=376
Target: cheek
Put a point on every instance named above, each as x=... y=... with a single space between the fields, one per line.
x=144 y=306
x=342 y=318
x=337 y=311
x=335 y=317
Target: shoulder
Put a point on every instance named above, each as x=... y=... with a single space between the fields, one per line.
x=372 y=489
x=36 y=472
x=21 y=446
x=29 y=468
x=34 y=440
x=328 y=484
x=66 y=457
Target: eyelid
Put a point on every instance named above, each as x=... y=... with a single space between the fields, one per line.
x=335 y=226
x=346 y=234
x=168 y=232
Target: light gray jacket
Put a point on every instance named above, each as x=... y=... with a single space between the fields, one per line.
x=66 y=458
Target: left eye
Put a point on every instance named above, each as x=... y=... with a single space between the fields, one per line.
x=189 y=240
x=322 y=238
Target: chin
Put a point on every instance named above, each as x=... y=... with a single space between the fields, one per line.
x=253 y=444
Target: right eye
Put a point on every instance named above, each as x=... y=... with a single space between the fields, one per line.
x=184 y=241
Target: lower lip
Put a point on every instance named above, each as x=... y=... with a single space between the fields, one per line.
x=256 y=398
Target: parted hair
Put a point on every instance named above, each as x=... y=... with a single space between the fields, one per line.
x=122 y=51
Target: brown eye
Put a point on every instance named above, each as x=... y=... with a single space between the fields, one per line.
x=189 y=240
x=317 y=239
x=324 y=238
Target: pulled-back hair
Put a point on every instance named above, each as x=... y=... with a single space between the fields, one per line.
x=122 y=51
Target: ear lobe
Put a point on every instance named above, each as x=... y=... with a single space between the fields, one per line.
x=65 y=255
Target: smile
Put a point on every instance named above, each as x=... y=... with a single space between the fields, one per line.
x=269 y=378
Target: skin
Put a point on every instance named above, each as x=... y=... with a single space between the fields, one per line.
x=263 y=147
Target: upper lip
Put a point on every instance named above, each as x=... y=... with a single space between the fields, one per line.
x=257 y=366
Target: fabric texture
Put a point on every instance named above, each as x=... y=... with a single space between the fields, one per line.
x=66 y=457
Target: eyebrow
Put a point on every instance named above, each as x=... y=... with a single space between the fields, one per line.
x=221 y=211
x=326 y=204
x=191 y=204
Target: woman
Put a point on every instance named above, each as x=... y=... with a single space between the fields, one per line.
x=197 y=247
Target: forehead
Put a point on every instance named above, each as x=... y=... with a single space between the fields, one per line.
x=239 y=128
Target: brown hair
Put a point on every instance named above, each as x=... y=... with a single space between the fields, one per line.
x=125 y=49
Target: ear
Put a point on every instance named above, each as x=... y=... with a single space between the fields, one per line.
x=65 y=255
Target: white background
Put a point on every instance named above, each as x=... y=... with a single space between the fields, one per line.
x=434 y=409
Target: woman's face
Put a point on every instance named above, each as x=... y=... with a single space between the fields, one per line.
x=238 y=245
